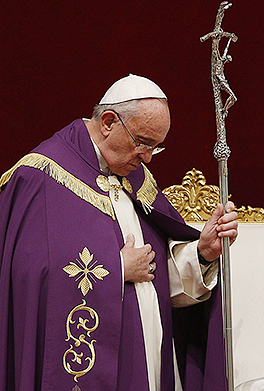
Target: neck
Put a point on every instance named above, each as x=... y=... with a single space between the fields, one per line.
x=93 y=128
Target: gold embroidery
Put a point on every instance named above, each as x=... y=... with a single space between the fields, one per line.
x=116 y=189
x=103 y=183
x=78 y=358
x=148 y=191
x=127 y=185
x=74 y=270
x=76 y=388
x=64 y=178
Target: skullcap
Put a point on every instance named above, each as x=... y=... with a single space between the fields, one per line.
x=131 y=87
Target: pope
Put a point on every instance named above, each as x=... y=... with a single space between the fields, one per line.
x=102 y=284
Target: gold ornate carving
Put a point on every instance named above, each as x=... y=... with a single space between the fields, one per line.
x=250 y=215
x=78 y=271
x=195 y=200
x=76 y=388
x=63 y=177
x=147 y=193
x=79 y=357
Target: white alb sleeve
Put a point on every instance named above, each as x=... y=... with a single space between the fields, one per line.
x=190 y=282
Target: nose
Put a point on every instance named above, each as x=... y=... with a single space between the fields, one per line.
x=146 y=156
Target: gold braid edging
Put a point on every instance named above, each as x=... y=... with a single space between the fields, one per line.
x=63 y=177
x=147 y=193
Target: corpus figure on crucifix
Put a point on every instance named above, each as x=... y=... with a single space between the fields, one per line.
x=219 y=80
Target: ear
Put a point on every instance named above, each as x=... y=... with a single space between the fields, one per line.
x=108 y=118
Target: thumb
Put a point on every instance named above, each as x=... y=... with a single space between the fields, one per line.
x=217 y=213
x=130 y=241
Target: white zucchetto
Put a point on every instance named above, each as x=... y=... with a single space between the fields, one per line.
x=131 y=87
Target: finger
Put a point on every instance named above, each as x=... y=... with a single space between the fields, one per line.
x=130 y=241
x=230 y=206
x=217 y=213
x=232 y=225
x=228 y=218
x=147 y=275
x=232 y=240
x=150 y=277
x=230 y=233
x=147 y=248
x=151 y=256
x=152 y=267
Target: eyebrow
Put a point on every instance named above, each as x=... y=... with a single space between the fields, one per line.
x=146 y=140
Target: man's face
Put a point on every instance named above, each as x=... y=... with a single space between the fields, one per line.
x=150 y=126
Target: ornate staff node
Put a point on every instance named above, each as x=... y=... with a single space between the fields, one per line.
x=222 y=153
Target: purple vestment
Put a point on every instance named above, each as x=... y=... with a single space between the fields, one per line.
x=65 y=321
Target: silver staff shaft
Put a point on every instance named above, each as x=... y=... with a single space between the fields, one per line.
x=222 y=153
x=226 y=283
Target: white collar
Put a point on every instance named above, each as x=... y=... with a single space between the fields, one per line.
x=101 y=160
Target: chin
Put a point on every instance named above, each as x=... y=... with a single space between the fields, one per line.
x=124 y=171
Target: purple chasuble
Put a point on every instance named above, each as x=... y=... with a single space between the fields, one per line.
x=64 y=322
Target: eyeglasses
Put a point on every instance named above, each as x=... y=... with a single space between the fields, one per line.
x=142 y=148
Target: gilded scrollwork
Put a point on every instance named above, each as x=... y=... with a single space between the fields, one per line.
x=195 y=200
x=250 y=215
x=78 y=358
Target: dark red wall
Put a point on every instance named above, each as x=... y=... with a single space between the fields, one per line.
x=59 y=57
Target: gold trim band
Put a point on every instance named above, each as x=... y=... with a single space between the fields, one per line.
x=147 y=193
x=63 y=177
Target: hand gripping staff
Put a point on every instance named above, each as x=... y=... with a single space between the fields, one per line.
x=222 y=153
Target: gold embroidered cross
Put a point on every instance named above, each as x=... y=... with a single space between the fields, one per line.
x=104 y=184
x=116 y=189
x=74 y=270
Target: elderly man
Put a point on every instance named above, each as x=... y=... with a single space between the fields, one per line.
x=92 y=252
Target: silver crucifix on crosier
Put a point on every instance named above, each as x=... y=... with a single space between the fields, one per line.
x=222 y=153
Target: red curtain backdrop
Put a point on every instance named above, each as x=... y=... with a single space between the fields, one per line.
x=59 y=57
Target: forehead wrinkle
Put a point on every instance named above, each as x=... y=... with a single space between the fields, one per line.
x=148 y=140
x=144 y=132
x=152 y=122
